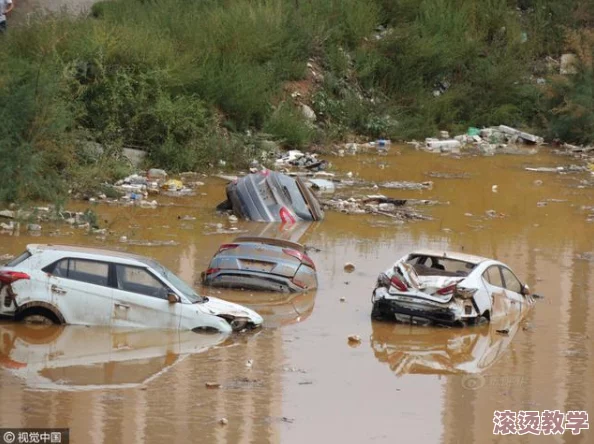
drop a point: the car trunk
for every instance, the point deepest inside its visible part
(278, 257)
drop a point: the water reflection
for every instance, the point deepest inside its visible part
(81, 358)
(422, 350)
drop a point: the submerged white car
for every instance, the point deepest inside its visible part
(448, 289)
(85, 286)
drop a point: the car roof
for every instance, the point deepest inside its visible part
(454, 255)
(89, 251)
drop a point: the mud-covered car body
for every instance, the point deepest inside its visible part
(260, 263)
(448, 289)
(268, 196)
(86, 286)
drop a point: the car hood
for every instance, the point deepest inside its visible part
(220, 307)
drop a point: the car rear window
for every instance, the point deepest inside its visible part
(426, 264)
(83, 270)
(19, 259)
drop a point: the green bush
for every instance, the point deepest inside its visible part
(288, 125)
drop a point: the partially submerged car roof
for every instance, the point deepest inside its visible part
(470, 258)
(33, 248)
(271, 241)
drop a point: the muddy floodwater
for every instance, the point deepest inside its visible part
(298, 380)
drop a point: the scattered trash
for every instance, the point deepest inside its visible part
(371, 205)
(494, 214)
(296, 158)
(212, 385)
(559, 169)
(342, 299)
(146, 243)
(172, 185)
(156, 174)
(6, 257)
(488, 141)
(442, 145)
(494, 188)
(504, 331)
(444, 175)
(408, 185)
(588, 256)
(349, 267)
(10, 226)
(321, 185)
(354, 339)
(568, 64)
(223, 421)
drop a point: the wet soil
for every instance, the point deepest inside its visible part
(299, 379)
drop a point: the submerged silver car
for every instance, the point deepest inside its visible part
(268, 196)
(259, 263)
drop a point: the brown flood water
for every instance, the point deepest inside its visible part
(306, 383)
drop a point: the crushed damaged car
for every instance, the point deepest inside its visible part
(268, 196)
(448, 289)
(63, 284)
(260, 263)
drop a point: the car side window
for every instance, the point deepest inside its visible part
(140, 280)
(83, 270)
(511, 281)
(493, 276)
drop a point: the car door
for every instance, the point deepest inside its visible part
(513, 291)
(140, 300)
(493, 282)
(80, 289)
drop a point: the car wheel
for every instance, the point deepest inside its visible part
(482, 320)
(37, 315)
(376, 314)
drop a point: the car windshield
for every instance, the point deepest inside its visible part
(178, 283)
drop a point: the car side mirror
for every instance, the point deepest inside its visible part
(173, 298)
(525, 290)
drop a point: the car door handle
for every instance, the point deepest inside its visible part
(122, 305)
(58, 290)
